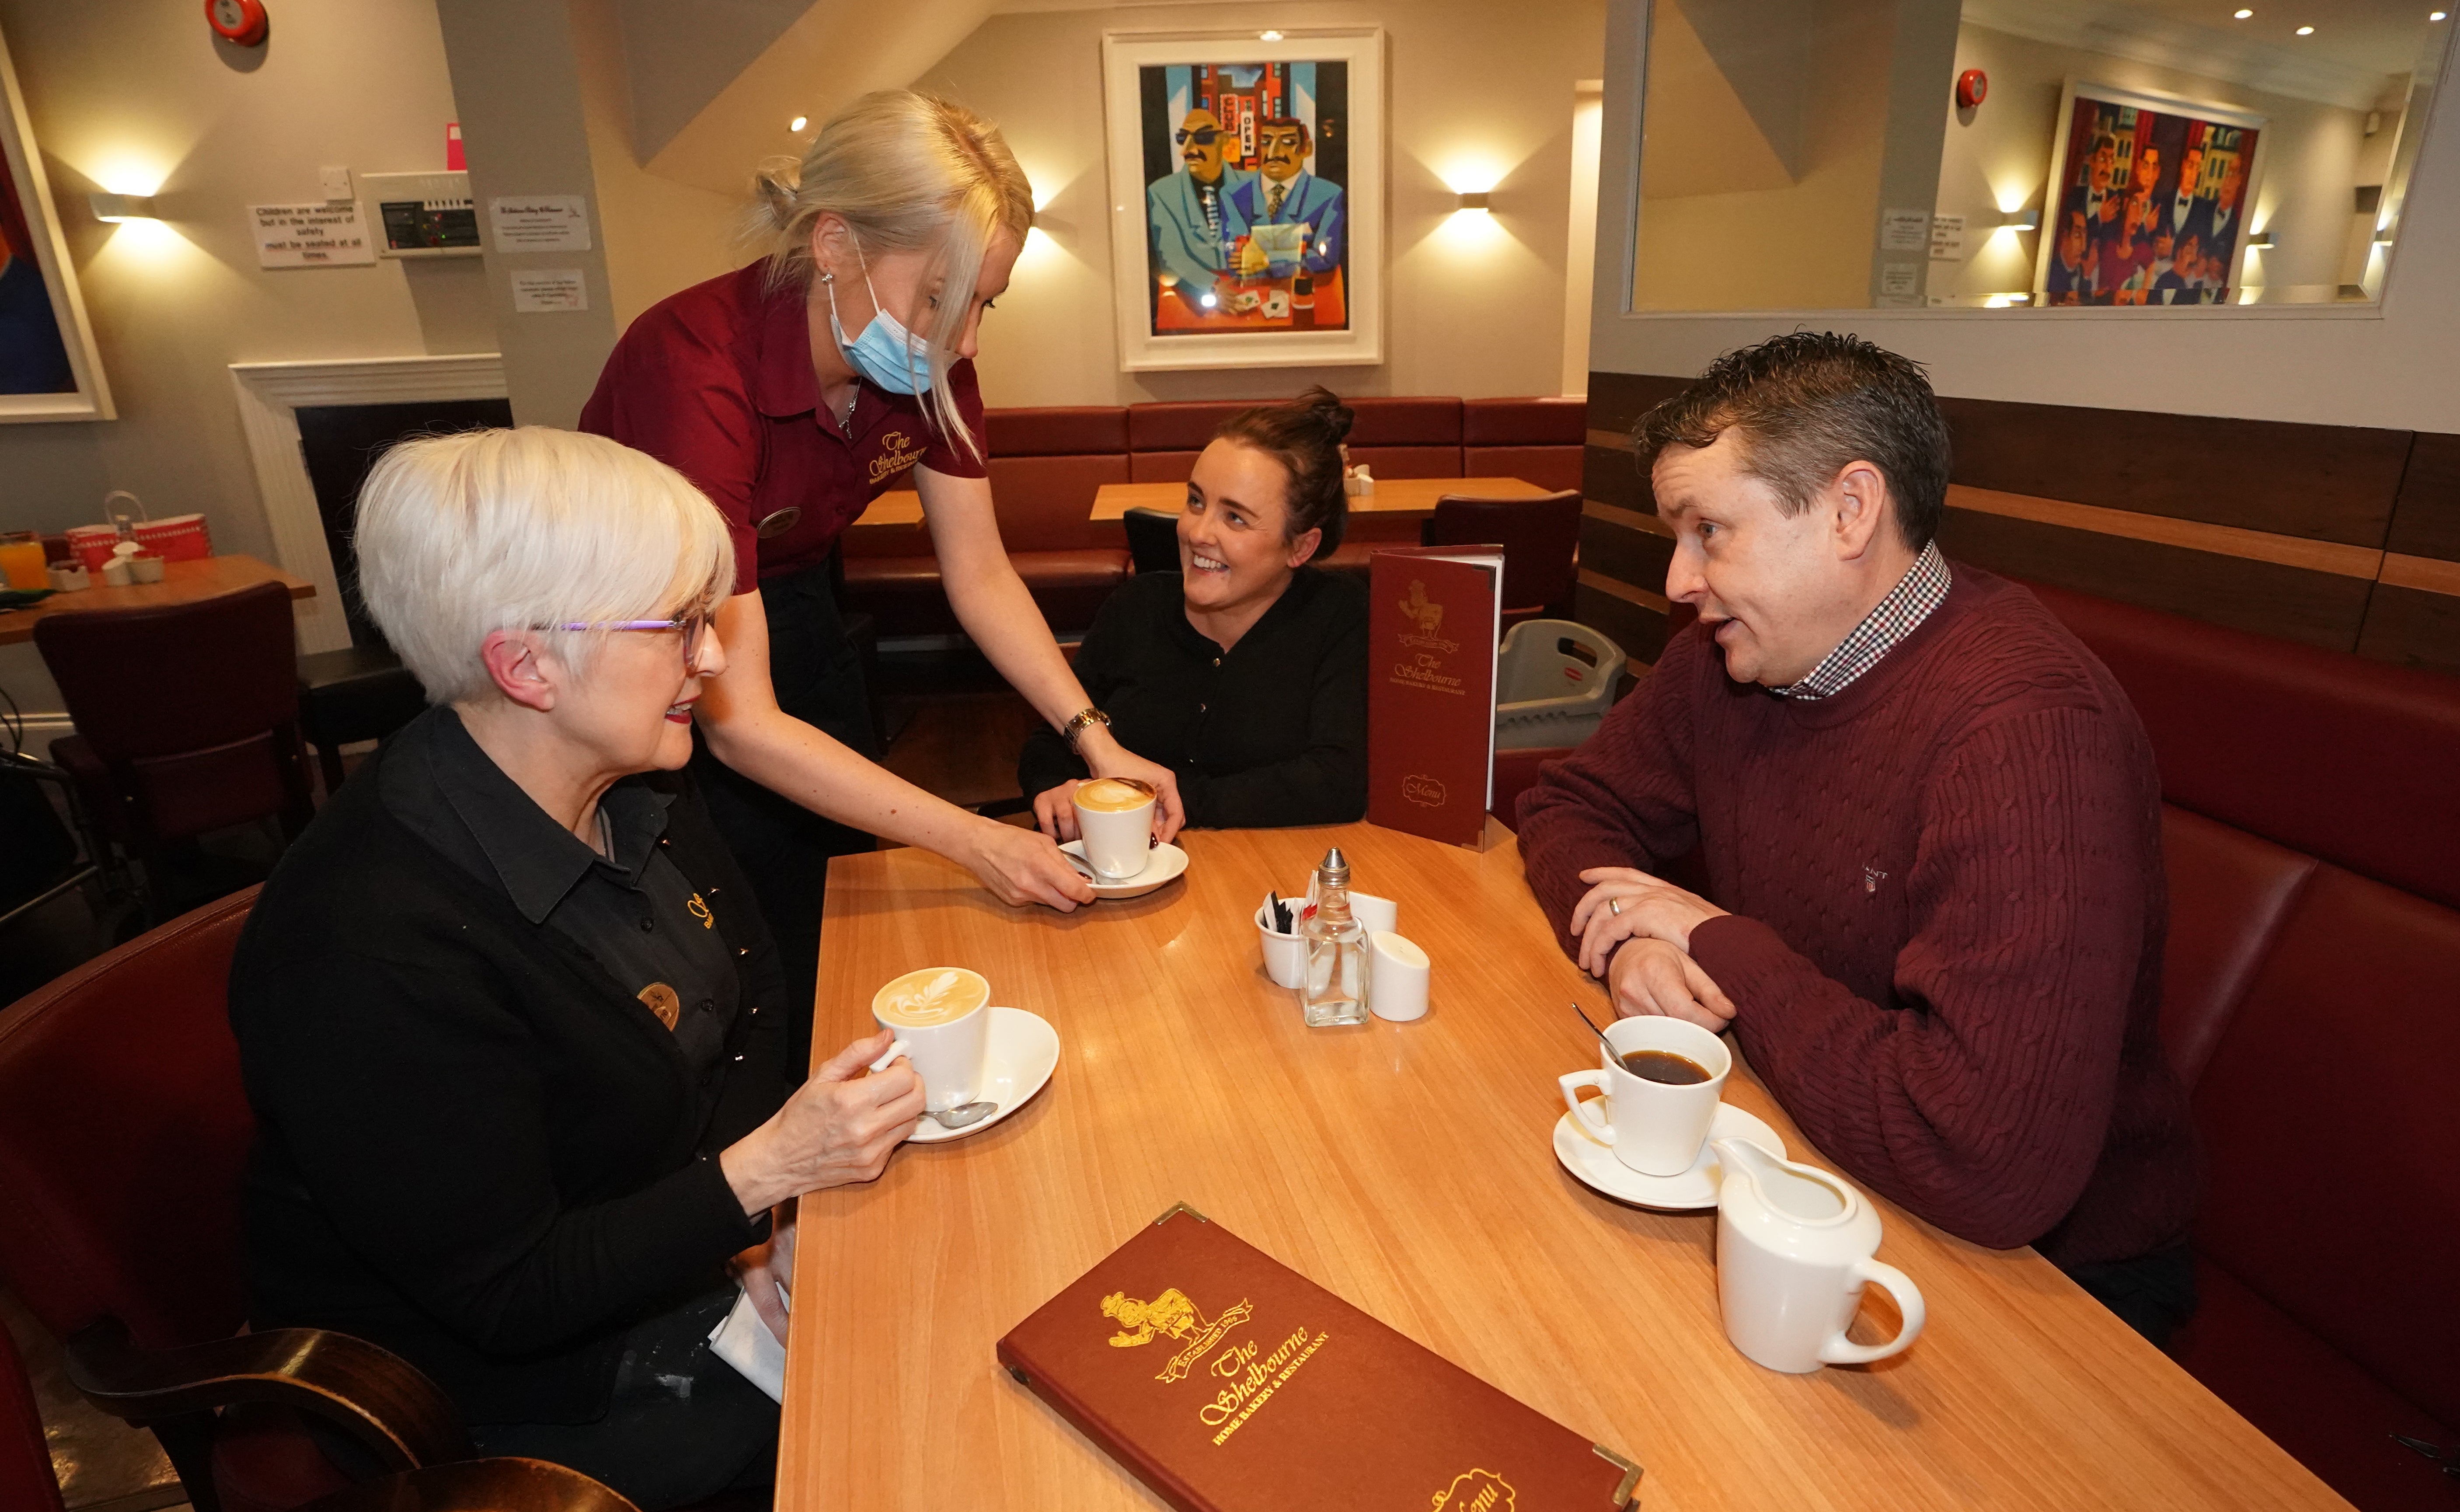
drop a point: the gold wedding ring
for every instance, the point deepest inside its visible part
(1614, 905)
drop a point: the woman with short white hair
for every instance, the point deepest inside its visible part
(512, 1030)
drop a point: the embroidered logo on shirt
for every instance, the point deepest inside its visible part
(902, 451)
(1872, 876)
(700, 911)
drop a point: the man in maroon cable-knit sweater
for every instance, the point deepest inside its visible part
(1931, 826)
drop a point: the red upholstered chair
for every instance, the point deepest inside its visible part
(123, 1130)
(1515, 772)
(188, 717)
(1541, 547)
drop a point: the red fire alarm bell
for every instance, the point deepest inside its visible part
(239, 21)
(1972, 88)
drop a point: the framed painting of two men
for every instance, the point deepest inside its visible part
(1247, 196)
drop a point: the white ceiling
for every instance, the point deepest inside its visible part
(2358, 53)
(713, 83)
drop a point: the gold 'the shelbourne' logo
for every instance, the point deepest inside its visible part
(900, 451)
(1474, 1491)
(1174, 1316)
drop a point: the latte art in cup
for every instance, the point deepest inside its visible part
(934, 995)
(1113, 795)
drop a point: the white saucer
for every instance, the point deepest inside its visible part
(1596, 1166)
(1021, 1054)
(1164, 863)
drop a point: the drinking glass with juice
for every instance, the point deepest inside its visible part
(21, 560)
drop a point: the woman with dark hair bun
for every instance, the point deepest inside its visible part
(1246, 670)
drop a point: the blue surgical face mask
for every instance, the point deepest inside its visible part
(886, 353)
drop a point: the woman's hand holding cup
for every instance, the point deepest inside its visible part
(1105, 757)
(837, 1129)
(1055, 810)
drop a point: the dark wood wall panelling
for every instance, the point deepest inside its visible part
(2406, 622)
(2341, 537)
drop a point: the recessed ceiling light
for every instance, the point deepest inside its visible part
(2305, 31)
(1268, 37)
(2434, 16)
(2243, 14)
(799, 124)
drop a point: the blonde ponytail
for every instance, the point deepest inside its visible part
(907, 172)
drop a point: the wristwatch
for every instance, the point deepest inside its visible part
(1075, 728)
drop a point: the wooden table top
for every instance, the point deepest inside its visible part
(183, 583)
(1406, 1167)
(1400, 497)
(899, 506)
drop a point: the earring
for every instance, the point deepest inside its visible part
(827, 277)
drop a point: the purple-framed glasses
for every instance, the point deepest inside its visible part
(691, 625)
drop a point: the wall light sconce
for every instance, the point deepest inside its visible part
(117, 207)
(1477, 202)
(2262, 241)
(2021, 220)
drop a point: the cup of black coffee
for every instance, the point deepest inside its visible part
(1661, 1079)
(1664, 1066)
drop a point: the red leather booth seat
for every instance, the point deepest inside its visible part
(1047, 464)
(2312, 1003)
(1539, 441)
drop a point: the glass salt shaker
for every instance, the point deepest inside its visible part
(1335, 991)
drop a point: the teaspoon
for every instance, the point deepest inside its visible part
(964, 1115)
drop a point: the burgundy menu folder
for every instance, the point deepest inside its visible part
(1433, 617)
(1227, 1382)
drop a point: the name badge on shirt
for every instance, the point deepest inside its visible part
(662, 1000)
(773, 525)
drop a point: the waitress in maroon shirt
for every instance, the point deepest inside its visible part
(795, 390)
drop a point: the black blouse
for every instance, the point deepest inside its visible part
(1272, 732)
(477, 1145)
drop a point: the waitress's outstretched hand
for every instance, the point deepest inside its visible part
(1024, 866)
(1105, 757)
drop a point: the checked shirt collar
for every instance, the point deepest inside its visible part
(1921, 589)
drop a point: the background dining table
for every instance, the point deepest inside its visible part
(183, 583)
(1408, 1168)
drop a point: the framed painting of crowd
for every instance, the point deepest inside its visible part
(2150, 200)
(48, 367)
(1247, 197)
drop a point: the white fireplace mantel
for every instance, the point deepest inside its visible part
(270, 396)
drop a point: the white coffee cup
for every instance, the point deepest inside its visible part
(1654, 1127)
(942, 1018)
(1396, 977)
(1117, 833)
(1374, 913)
(1796, 1245)
(1284, 954)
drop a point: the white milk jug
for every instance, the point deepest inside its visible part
(1795, 1247)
